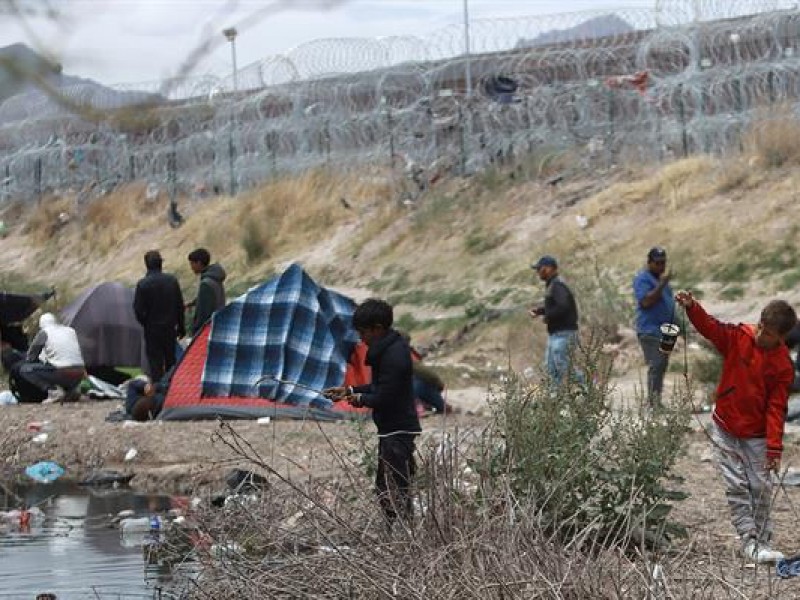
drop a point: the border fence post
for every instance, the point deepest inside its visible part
(682, 119)
(37, 177)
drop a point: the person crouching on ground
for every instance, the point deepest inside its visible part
(391, 398)
(145, 399)
(749, 416)
(54, 362)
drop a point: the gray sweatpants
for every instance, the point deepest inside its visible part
(748, 486)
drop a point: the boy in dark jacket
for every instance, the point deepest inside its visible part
(749, 416)
(390, 396)
(211, 291)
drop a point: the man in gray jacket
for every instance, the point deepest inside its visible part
(211, 292)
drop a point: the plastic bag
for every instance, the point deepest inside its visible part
(45, 471)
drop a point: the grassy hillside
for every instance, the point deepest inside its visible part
(457, 263)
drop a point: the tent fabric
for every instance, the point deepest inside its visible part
(107, 329)
(184, 401)
(18, 307)
(289, 328)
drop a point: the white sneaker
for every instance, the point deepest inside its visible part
(760, 553)
(55, 394)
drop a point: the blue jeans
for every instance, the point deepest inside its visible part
(558, 357)
(657, 363)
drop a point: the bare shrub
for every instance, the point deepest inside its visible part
(555, 497)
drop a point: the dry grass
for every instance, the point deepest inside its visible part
(774, 139)
(674, 186)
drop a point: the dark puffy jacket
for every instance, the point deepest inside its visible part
(560, 309)
(390, 394)
(158, 303)
(210, 295)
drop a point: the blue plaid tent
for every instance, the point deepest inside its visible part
(289, 328)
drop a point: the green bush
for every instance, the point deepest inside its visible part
(584, 465)
(479, 241)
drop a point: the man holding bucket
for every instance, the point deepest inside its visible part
(655, 306)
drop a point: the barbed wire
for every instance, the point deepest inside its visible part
(685, 76)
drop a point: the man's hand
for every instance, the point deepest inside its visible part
(537, 311)
(665, 277)
(335, 393)
(773, 464)
(355, 400)
(685, 299)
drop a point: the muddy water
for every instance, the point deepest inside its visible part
(76, 551)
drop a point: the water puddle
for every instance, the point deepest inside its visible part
(72, 546)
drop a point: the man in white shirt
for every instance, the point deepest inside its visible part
(54, 362)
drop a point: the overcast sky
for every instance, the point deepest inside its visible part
(127, 41)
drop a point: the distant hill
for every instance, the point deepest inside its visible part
(19, 96)
(594, 28)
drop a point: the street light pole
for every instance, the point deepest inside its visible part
(230, 34)
(467, 49)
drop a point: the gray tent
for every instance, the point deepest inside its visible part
(107, 329)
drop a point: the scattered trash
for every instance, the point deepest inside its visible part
(155, 524)
(45, 471)
(7, 398)
(24, 518)
(228, 549)
(40, 438)
(103, 390)
(791, 478)
(152, 191)
(134, 525)
(106, 478)
(240, 499)
(240, 480)
(263, 420)
(786, 568)
(332, 549)
(131, 454)
(581, 221)
(37, 426)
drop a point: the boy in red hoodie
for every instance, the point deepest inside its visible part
(749, 415)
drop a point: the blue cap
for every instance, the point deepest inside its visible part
(545, 261)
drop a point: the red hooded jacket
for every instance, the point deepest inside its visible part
(753, 391)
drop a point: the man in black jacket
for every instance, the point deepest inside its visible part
(390, 396)
(560, 313)
(211, 291)
(158, 304)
